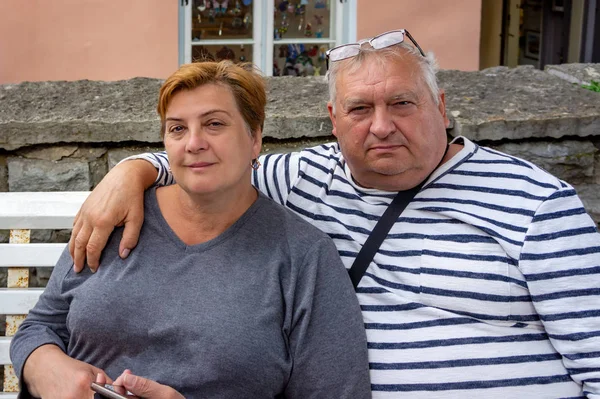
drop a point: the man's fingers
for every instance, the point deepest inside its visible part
(131, 233)
(76, 229)
(80, 243)
(95, 245)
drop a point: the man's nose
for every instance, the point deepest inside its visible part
(382, 124)
(197, 141)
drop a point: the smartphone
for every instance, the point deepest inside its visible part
(111, 391)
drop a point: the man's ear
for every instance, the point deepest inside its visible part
(442, 107)
(332, 117)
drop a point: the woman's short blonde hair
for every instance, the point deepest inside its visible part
(244, 80)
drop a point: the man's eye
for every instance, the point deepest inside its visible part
(358, 109)
(402, 103)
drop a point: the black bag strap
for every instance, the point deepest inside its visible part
(383, 226)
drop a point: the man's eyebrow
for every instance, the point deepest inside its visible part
(350, 102)
(407, 95)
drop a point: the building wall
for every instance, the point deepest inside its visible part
(491, 31)
(42, 40)
(87, 39)
(451, 29)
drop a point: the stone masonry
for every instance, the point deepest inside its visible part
(58, 136)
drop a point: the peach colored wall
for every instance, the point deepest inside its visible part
(450, 29)
(87, 39)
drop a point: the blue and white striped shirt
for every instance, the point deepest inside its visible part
(487, 286)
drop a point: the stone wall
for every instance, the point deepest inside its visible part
(67, 135)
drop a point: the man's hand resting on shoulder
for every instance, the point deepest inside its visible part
(118, 200)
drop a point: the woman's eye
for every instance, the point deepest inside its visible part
(215, 124)
(176, 129)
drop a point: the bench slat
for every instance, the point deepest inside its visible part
(18, 300)
(4, 350)
(40, 210)
(30, 255)
(8, 395)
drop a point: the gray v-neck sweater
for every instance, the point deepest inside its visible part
(266, 309)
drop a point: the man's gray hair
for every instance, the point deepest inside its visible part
(428, 65)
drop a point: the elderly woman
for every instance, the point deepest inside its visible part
(228, 295)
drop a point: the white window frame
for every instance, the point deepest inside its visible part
(342, 30)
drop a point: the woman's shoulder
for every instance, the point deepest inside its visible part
(282, 222)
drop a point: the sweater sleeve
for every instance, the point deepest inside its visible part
(561, 261)
(46, 323)
(327, 338)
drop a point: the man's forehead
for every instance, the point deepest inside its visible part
(375, 69)
(393, 80)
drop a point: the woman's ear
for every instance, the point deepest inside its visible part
(256, 143)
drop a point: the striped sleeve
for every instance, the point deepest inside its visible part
(160, 162)
(277, 175)
(560, 260)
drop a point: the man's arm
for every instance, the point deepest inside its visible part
(560, 260)
(118, 200)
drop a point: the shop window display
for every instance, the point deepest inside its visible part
(282, 37)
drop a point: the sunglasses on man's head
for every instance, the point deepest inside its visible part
(378, 42)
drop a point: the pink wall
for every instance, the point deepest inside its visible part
(451, 29)
(87, 39)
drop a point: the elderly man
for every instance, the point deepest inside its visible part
(487, 283)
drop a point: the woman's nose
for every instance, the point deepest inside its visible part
(196, 141)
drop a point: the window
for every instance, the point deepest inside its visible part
(282, 37)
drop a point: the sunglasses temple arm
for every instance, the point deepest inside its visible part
(414, 42)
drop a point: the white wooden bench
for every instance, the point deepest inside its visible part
(20, 212)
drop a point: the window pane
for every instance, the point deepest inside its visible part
(237, 53)
(221, 19)
(302, 19)
(299, 59)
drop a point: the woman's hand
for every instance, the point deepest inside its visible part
(144, 388)
(118, 200)
(50, 374)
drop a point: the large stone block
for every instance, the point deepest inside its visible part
(297, 107)
(569, 160)
(42, 175)
(118, 154)
(576, 73)
(518, 103)
(81, 111)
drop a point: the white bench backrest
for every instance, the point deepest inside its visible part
(20, 212)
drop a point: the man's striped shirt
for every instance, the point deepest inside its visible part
(487, 286)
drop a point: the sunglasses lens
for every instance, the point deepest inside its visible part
(343, 52)
(387, 40)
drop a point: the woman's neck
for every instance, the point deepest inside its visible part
(200, 218)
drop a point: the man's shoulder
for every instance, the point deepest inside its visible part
(511, 168)
(322, 151)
